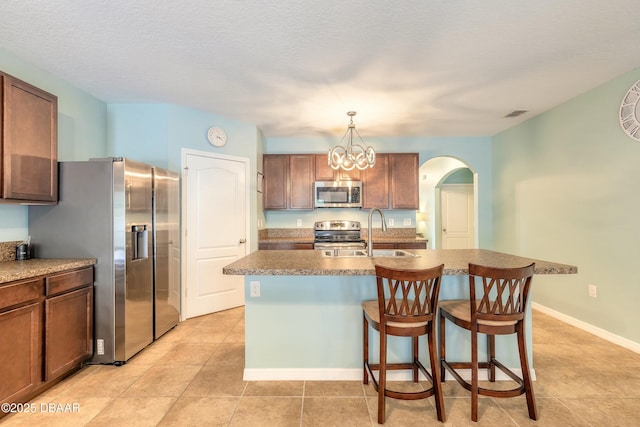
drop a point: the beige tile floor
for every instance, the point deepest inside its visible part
(192, 376)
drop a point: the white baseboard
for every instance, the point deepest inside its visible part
(301, 374)
(606, 335)
(319, 374)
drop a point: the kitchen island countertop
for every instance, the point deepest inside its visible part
(310, 305)
(18, 270)
(313, 263)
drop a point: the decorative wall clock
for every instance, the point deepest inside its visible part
(217, 136)
(630, 112)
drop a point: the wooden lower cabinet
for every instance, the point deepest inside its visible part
(20, 352)
(400, 245)
(284, 246)
(46, 331)
(68, 331)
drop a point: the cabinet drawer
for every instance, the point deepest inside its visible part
(64, 282)
(20, 292)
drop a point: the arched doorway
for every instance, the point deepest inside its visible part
(434, 173)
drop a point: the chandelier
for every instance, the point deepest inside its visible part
(353, 155)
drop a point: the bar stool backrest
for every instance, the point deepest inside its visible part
(408, 296)
(501, 294)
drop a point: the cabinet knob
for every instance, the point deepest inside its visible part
(243, 241)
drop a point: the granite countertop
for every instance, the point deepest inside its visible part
(312, 263)
(17, 270)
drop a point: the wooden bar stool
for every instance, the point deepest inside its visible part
(497, 307)
(406, 306)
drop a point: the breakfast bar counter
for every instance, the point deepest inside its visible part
(303, 319)
(313, 263)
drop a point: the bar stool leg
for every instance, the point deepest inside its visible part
(474, 373)
(382, 380)
(435, 373)
(526, 373)
(365, 347)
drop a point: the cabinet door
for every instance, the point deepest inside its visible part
(29, 142)
(324, 172)
(375, 184)
(404, 180)
(275, 170)
(20, 352)
(352, 175)
(68, 331)
(301, 177)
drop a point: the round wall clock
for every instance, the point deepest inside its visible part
(217, 136)
(630, 112)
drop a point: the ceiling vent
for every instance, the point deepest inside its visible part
(516, 113)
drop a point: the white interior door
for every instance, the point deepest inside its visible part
(215, 200)
(457, 216)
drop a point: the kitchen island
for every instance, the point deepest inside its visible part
(306, 322)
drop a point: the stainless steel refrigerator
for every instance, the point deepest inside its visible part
(106, 211)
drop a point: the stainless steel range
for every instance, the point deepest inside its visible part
(338, 234)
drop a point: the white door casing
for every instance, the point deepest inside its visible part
(216, 230)
(457, 216)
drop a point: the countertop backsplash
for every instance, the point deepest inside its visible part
(8, 250)
(268, 233)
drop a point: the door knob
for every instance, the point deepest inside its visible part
(243, 241)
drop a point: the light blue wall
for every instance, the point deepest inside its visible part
(566, 190)
(139, 132)
(461, 176)
(474, 151)
(81, 131)
(157, 133)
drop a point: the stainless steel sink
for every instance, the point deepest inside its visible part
(351, 253)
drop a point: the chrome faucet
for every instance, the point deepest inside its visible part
(384, 228)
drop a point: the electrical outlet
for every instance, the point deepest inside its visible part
(299, 222)
(254, 288)
(391, 222)
(406, 221)
(593, 291)
(100, 347)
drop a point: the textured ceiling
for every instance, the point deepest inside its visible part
(295, 67)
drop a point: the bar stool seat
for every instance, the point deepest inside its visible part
(496, 307)
(406, 306)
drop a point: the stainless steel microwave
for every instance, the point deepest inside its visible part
(338, 194)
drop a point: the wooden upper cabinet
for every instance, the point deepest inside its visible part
(288, 181)
(275, 170)
(392, 183)
(324, 172)
(29, 166)
(404, 184)
(301, 177)
(375, 187)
